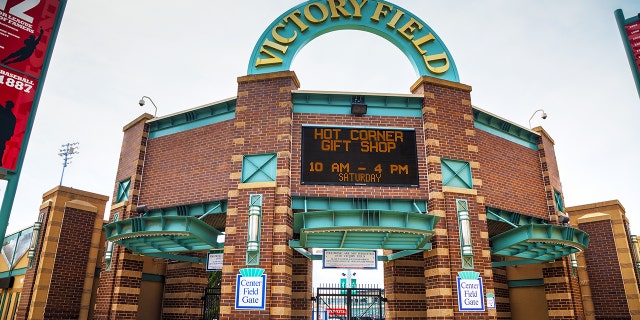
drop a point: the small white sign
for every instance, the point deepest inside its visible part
(345, 259)
(470, 294)
(251, 292)
(214, 261)
(491, 301)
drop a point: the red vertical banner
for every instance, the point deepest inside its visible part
(26, 30)
(18, 93)
(633, 35)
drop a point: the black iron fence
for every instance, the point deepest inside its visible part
(339, 303)
(211, 304)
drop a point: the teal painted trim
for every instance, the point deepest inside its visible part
(259, 167)
(525, 283)
(542, 242)
(163, 234)
(325, 203)
(123, 190)
(512, 218)
(400, 254)
(491, 215)
(191, 119)
(290, 32)
(558, 200)
(4, 299)
(177, 257)
(511, 263)
(191, 210)
(340, 103)
(504, 129)
(456, 173)
(14, 272)
(296, 245)
(365, 229)
(153, 277)
(627, 46)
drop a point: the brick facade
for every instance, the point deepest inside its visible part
(204, 164)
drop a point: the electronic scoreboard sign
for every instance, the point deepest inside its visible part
(359, 156)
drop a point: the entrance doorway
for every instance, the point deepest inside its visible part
(361, 303)
(211, 304)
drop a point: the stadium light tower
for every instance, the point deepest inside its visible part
(66, 152)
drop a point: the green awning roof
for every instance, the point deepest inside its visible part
(151, 235)
(539, 242)
(364, 229)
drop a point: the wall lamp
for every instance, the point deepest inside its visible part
(358, 107)
(35, 237)
(253, 229)
(465, 233)
(108, 252)
(636, 251)
(141, 103)
(563, 219)
(543, 116)
(464, 226)
(142, 210)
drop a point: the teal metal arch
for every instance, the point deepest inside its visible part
(407, 232)
(536, 243)
(291, 31)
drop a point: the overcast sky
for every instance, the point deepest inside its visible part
(565, 57)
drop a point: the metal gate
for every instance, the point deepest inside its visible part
(211, 305)
(362, 303)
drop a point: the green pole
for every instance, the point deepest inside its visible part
(7, 202)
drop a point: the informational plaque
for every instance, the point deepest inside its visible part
(359, 156)
(354, 259)
(214, 261)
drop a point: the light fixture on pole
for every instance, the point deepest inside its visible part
(465, 233)
(108, 252)
(358, 106)
(253, 229)
(66, 153)
(543, 116)
(141, 103)
(464, 227)
(636, 250)
(35, 237)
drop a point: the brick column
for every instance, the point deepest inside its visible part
(609, 278)
(559, 286)
(24, 306)
(403, 278)
(68, 249)
(183, 290)
(301, 287)
(450, 133)
(503, 305)
(119, 287)
(263, 124)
